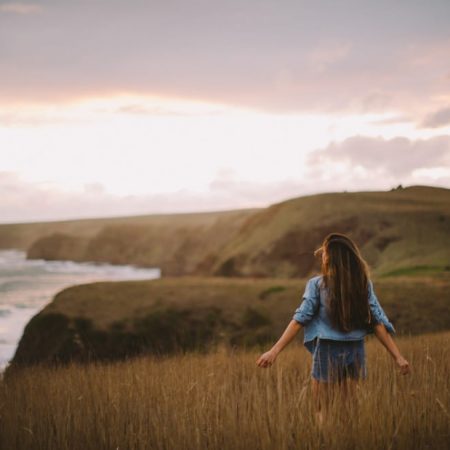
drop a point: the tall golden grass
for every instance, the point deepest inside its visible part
(222, 400)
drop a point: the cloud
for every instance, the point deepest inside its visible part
(34, 119)
(440, 118)
(140, 109)
(304, 57)
(393, 120)
(35, 115)
(375, 156)
(20, 8)
(323, 57)
(22, 200)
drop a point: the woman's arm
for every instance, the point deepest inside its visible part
(267, 359)
(385, 338)
(379, 316)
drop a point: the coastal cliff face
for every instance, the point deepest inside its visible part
(173, 242)
(175, 246)
(404, 230)
(117, 320)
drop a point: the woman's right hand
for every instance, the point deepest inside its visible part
(403, 365)
(266, 359)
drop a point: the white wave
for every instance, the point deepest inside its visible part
(26, 286)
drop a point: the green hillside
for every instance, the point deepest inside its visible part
(404, 231)
(400, 232)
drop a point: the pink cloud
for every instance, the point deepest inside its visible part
(320, 58)
(436, 119)
(20, 8)
(398, 156)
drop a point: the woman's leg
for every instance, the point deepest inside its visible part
(344, 391)
(353, 377)
(349, 388)
(343, 379)
(320, 391)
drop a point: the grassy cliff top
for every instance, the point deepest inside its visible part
(113, 320)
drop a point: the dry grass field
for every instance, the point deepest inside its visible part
(222, 400)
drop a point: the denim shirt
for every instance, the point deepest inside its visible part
(312, 314)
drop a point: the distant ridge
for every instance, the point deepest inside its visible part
(404, 229)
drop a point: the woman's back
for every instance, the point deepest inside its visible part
(313, 314)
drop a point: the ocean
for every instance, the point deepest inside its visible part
(26, 286)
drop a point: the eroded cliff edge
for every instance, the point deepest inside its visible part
(116, 320)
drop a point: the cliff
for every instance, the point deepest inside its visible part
(117, 320)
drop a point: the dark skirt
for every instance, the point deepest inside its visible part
(334, 360)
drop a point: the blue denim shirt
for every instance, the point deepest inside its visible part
(312, 314)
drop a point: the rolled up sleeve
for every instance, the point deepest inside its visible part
(308, 307)
(377, 311)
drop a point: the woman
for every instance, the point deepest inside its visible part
(339, 307)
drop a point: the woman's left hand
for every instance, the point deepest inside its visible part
(403, 365)
(266, 359)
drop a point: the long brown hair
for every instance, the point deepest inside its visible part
(346, 277)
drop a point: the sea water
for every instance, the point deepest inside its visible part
(26, 286)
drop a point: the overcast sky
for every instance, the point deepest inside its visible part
(121, 107)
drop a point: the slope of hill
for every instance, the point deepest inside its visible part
(115, 320)
(175, 243)
(402, 231)
(22, 235)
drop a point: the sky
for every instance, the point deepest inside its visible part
(124, 107)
